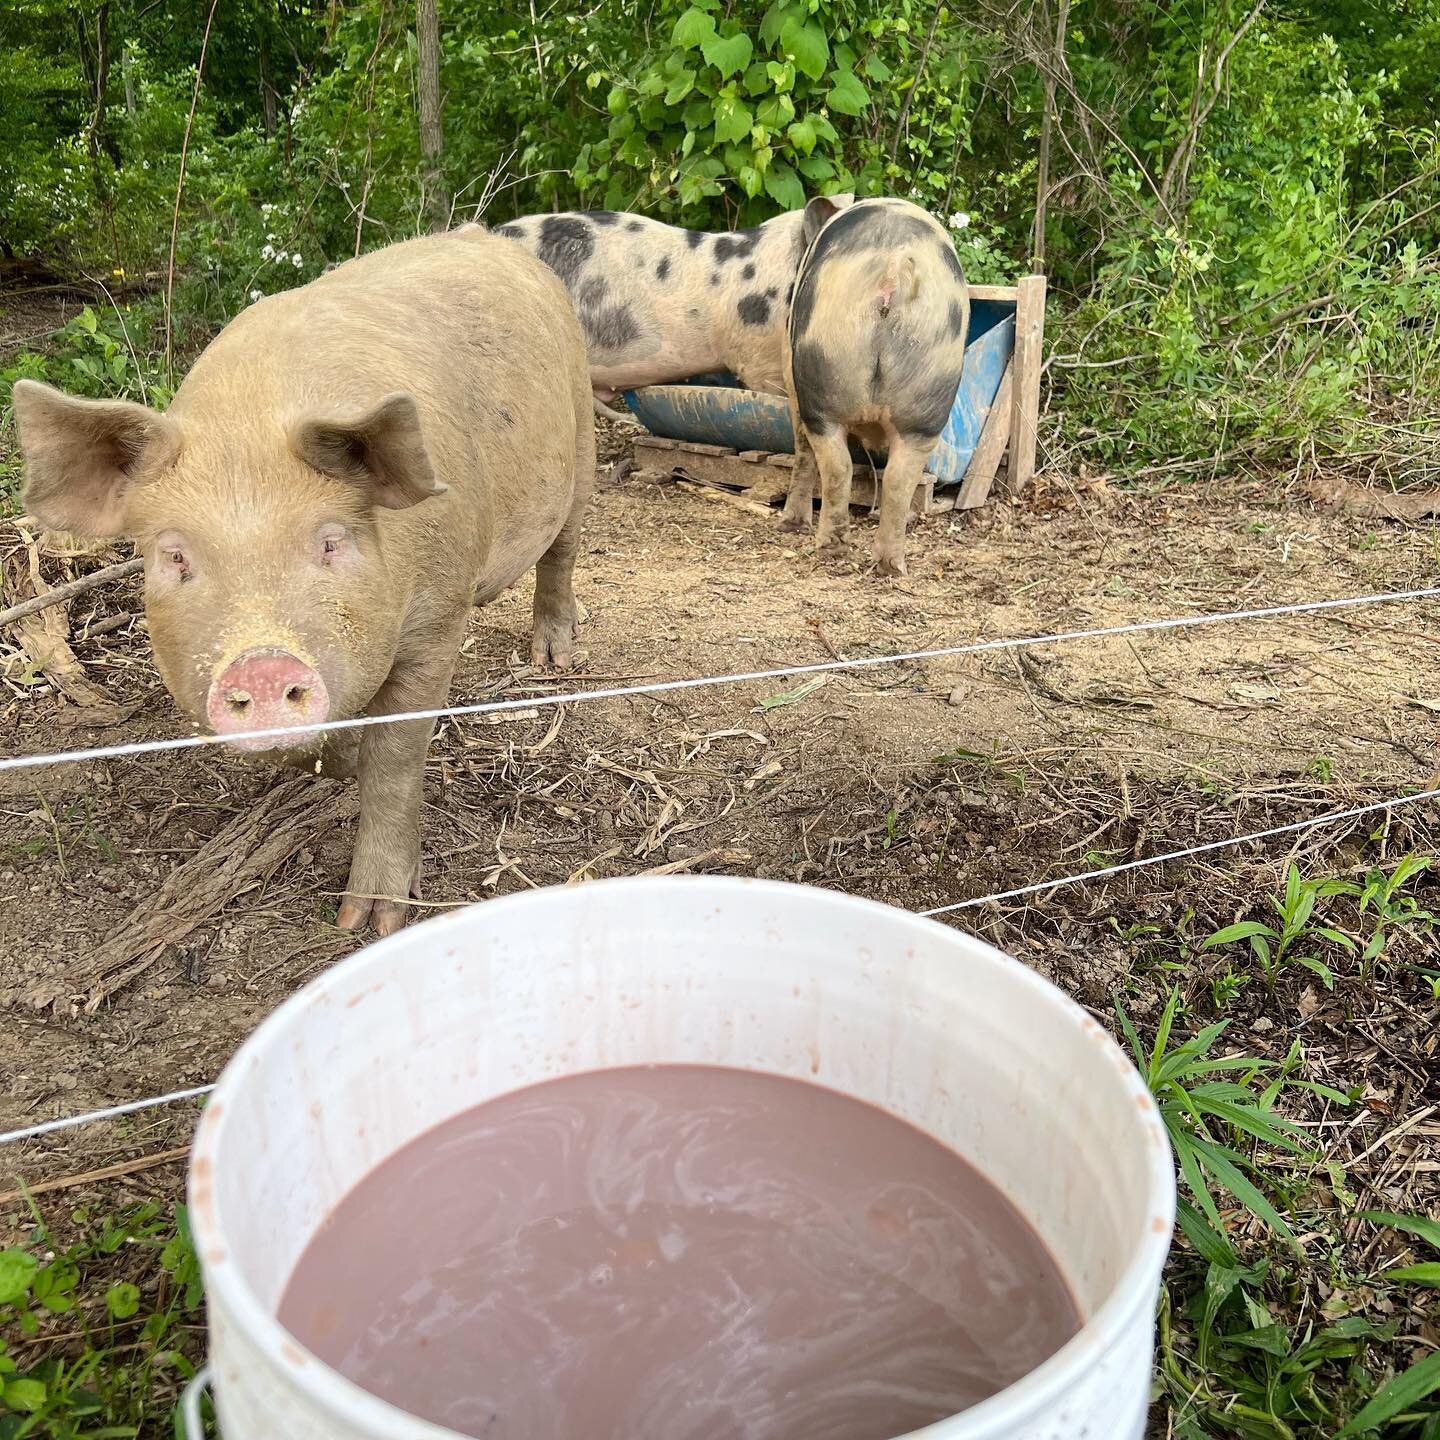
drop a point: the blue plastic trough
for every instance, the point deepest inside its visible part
(715, 410)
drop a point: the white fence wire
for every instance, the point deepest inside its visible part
(108, 752)
(662, 687)
(1356, 812)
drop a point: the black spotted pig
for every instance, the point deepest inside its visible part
(659, 304)
(876, 344)
(345, 471)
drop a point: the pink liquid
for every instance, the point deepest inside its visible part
(678, 1253)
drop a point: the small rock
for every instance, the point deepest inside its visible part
(958, 695)
(1262, 1025)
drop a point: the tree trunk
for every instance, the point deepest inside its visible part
(1047, 120)
(128, 77)
(102, 75)
(427, 40)
(267, 87)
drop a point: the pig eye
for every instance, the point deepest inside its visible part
(175, 559)
(332, 543)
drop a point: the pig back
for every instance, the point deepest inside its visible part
(483, 337)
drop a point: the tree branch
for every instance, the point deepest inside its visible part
(1178, 170)
(179, 192)
(915, 83)
(1047, 117)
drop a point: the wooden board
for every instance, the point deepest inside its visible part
(985, 462)
(1025, 385)
(992, 292)
(739, 474)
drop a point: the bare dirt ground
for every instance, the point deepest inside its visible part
(920, 784)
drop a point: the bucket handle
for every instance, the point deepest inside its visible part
(190, 1399)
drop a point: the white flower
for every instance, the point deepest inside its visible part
(959, 220)
(297, 261)
(267, 252)
(256, 294)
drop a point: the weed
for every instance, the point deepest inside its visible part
(1381, 896)
(1275, 949)
(1224, 988)
(1129, 935)
(1195, 1104)
(125, 1340)
(944, 846)
(93, 355)
(1395, 1403)
(74, 826)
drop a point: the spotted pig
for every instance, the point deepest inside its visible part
(659, 304)
(345, 471)
(876, 342)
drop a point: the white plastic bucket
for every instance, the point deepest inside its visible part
(903, 1012)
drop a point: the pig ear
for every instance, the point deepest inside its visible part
(820, 210)
(81, 456)
(381, 449)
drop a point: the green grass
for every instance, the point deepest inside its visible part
(1232, 1358)
(1296, 935)
(98, 1333)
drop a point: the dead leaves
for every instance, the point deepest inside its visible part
(45, 655)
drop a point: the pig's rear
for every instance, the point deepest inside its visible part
(879, 321)
(877, 342)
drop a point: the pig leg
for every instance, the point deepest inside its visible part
(800, 502)
(832, 454)
(903, 469)
(557, 619)
(385, 871)
(799, 512)
(604, 412)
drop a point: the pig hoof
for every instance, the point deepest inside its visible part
(388, 917)
(793, 522)
(551, 656)
(352, 914)
(554, 644)
(890, 564)
(385, 917)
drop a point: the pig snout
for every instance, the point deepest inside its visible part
(266, 690)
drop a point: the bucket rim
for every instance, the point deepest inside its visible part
(373, 1418)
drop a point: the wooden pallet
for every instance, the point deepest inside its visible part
(759, 476)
